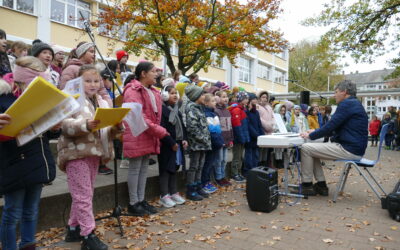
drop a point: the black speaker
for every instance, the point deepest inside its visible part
(305, 97)
(262, 189)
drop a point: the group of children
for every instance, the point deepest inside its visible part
(392, 137)
(204, 121)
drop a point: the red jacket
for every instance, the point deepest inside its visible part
(149, 141)
(374, 127)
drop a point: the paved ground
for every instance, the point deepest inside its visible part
(224, 221)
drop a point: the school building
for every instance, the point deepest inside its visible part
(57, 22)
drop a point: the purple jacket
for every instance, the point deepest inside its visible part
(226, 123)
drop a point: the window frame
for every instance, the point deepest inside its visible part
(282, 77)
(15, 2)
(76, 18)
(243, 70)
(264, 71)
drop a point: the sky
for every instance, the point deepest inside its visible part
(289, 23)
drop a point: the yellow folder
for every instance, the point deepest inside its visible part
(39, 98)
(110, 116)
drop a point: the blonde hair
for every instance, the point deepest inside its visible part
(31, 62)
(86, 68)
(208, 97)
(220, 92)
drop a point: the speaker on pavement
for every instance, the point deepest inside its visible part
(305, 97)
(262, 189)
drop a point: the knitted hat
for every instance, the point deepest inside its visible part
(252, 96)
(184, 79)
(39, 47)
(241, 95)
(193, 92)
(56, 49)
(296, 107)
(81, 50)
(168, 82)
(121, 53)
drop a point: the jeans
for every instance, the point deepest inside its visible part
(251, 157)
(20, 206)
(137, 177)
(219, 170)
(211, 163)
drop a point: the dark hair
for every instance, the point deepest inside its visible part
(192, 76)
(264, 92)
(143, 66)
(129, 79)
(113, 65)
(3, 34)
(311, 110)
(328, 109)
(272, 98)
(87, 67)
(169, 87)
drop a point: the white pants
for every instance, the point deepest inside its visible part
(312, 153)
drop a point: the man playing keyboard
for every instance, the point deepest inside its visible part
(349, 130)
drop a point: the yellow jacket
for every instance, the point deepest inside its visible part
(313, 121)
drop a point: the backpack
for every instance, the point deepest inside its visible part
(392, 203)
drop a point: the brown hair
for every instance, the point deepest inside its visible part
(220, 92)
(19, 45)
(31, 62)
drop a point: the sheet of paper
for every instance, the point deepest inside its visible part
(110, 116)
(75, 87)
(135, 120)
(279, 122)
(38, 99)
(63, 110)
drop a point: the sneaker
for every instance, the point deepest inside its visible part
(151, 209)
(178, 199)
(124, 164)
(137, 209)
(73, 235)
(226, 182)
(221, 183)
(211, 188)
(194, 196)
(323, 191)
(105, 170)
(238, 178)
(203, 193)
(166, 201)
(92, 242)
(243, 178)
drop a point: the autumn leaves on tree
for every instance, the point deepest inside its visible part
(197, 32)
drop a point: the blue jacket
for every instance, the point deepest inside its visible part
(348, 125)
(240, 124)
(214, 126)
(30, 164)
(255, 126)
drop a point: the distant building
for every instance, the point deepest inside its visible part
(375, 80)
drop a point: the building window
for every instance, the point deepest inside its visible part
(68, 11)
(283, 54)
(379, 109)
(279, 77)
(264, 71)
(244, 69)
(120, 32)
(27, 6)
(384, 109)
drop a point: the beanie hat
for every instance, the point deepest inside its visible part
(56, 49)
(120, 54)
(296, 107)
(193, 92)
(168, 82)
(81, 50)
(219, 84)
(252, 96)
(183, 79)
(39, 47)
(241, 95)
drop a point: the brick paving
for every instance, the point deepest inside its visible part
(224, 221)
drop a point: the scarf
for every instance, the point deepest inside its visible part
(176, 121)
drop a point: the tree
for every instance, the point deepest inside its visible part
(310, 63)
(199, 29)
(364, 28)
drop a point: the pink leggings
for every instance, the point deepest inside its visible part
(81, 174)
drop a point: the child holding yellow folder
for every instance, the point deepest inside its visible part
(81, 149)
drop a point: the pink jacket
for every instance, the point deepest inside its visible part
(267, 118)
(149, 141)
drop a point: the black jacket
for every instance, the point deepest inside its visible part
(255, 127)
(167, 157)
(30, 164)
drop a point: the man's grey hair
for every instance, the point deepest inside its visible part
(348, 86)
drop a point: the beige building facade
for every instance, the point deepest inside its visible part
(57, 22)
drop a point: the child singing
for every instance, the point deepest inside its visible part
(81, 149)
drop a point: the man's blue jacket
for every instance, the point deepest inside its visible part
(348, 126)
